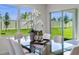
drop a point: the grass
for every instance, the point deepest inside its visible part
(58, 31)
(54, 31)
(68, 33)
(12, 32)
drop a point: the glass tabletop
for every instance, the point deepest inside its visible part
(57, 47)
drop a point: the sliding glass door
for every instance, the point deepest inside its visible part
(56, 32)
(70, 26)
(70, 29)
(63, 30)
(67, 18)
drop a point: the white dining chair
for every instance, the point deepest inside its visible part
(57, 39)
(11, 47)
(75, 50)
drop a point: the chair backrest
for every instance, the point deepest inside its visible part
(75, 50)
(10, 47)
(17, 48)
(57, 39)
(18, 36)
(5, 47)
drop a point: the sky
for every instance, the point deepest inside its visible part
(13, 12)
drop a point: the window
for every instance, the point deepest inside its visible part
(56, 24)
(68, 29)
(62, 22)
(8, 20)
(24, 18)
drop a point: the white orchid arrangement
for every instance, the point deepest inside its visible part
(35, 21)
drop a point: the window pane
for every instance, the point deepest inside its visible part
(25, 25)
(55, 24)
(8, 20)
(56, 32)
(67, 25)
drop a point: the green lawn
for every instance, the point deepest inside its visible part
(12, 32)
(54, 31)
(58, 31)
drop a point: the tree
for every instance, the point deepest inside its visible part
(24, 16)
(6, 20)
(66, 19)
(0, 17)
(1, 20)
(54, 19)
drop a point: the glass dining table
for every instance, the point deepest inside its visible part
(57, 49)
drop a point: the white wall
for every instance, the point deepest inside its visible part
(57, 7)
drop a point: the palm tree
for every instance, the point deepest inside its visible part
(24, 16)
(66, 20)
(6, 20)
(54, 19)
